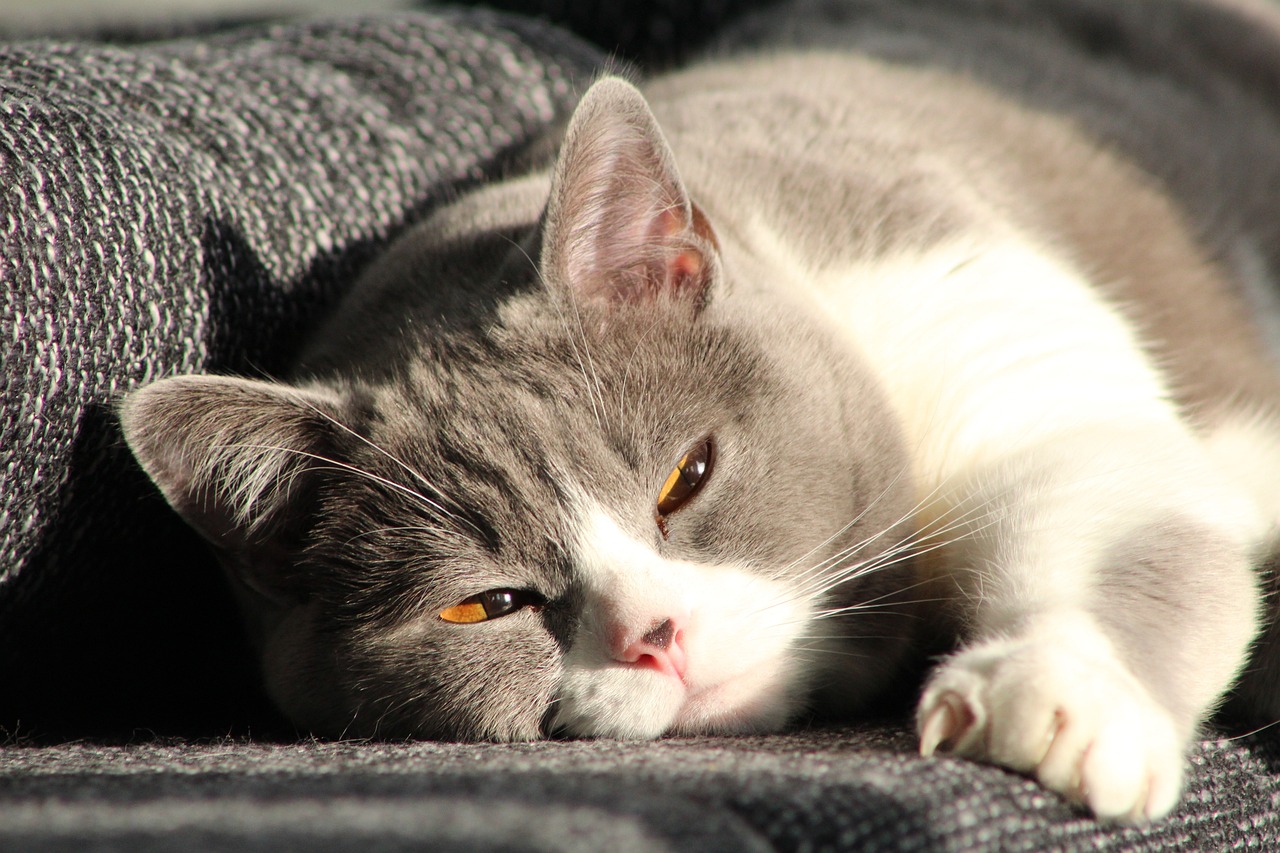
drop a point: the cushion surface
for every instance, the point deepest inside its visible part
(838, 789)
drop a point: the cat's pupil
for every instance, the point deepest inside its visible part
(489, 605)
(498, 602)
(686, 478)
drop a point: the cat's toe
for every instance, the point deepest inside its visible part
(1131, 769)
(1124, 763)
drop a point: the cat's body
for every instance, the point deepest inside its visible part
(925, 363)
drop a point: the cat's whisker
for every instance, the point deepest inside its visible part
(373, 445)
(873, 603)
(888, 489)
(843, 529)
(814, 654)
(1250, 733)
(913, 512)
(390, 711)
(877, 608)
(921, 541)
(822, 579)
(818, 579)
(877, 605)
(880, 605)
(814, 644)
(353, 721)
(882, 561)
(409, 469)
(909, 548)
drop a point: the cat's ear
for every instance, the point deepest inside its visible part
(619, 224)
(232, 456)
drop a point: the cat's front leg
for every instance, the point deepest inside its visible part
(1108, 601)
(1096, 555)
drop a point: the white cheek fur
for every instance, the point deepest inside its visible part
(738, 633)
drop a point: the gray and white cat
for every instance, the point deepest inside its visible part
(789, 367)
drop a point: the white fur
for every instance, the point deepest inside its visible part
(993, 351)
(738, 632)
(1033, 408)
(1247, 448)
(1008, 371)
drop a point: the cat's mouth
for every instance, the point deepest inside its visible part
(715, 653)
(755, 700)
(621, 702)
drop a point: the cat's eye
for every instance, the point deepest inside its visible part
(686, 478)
(490, 605)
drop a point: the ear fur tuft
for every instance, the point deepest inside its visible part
(227, 453)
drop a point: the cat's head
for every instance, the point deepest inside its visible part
(623, 500)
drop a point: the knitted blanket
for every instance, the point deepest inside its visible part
(194, 205)
(859, 790)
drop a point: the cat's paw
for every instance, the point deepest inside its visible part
(1065, 711)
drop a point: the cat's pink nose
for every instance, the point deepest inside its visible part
(658, 649)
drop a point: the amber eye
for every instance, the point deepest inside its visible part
(490, 605)
(688, 476)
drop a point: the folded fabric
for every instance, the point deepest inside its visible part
(192, 205)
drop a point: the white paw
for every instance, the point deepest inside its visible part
(1065, 711)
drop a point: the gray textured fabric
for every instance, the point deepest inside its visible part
(856, 789)
(192, 205)
(154, 173)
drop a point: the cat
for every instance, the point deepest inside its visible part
(789, 369)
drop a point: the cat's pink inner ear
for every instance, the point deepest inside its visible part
(620, 226)
(686, 269)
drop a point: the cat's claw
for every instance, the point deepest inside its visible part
(945, 726)
(1075, 720)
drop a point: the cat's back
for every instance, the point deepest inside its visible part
(900, 152)
(1188, 91)
(890, 155)
(848, 159)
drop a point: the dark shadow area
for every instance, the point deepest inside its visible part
(657, 33)
(140, 636)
